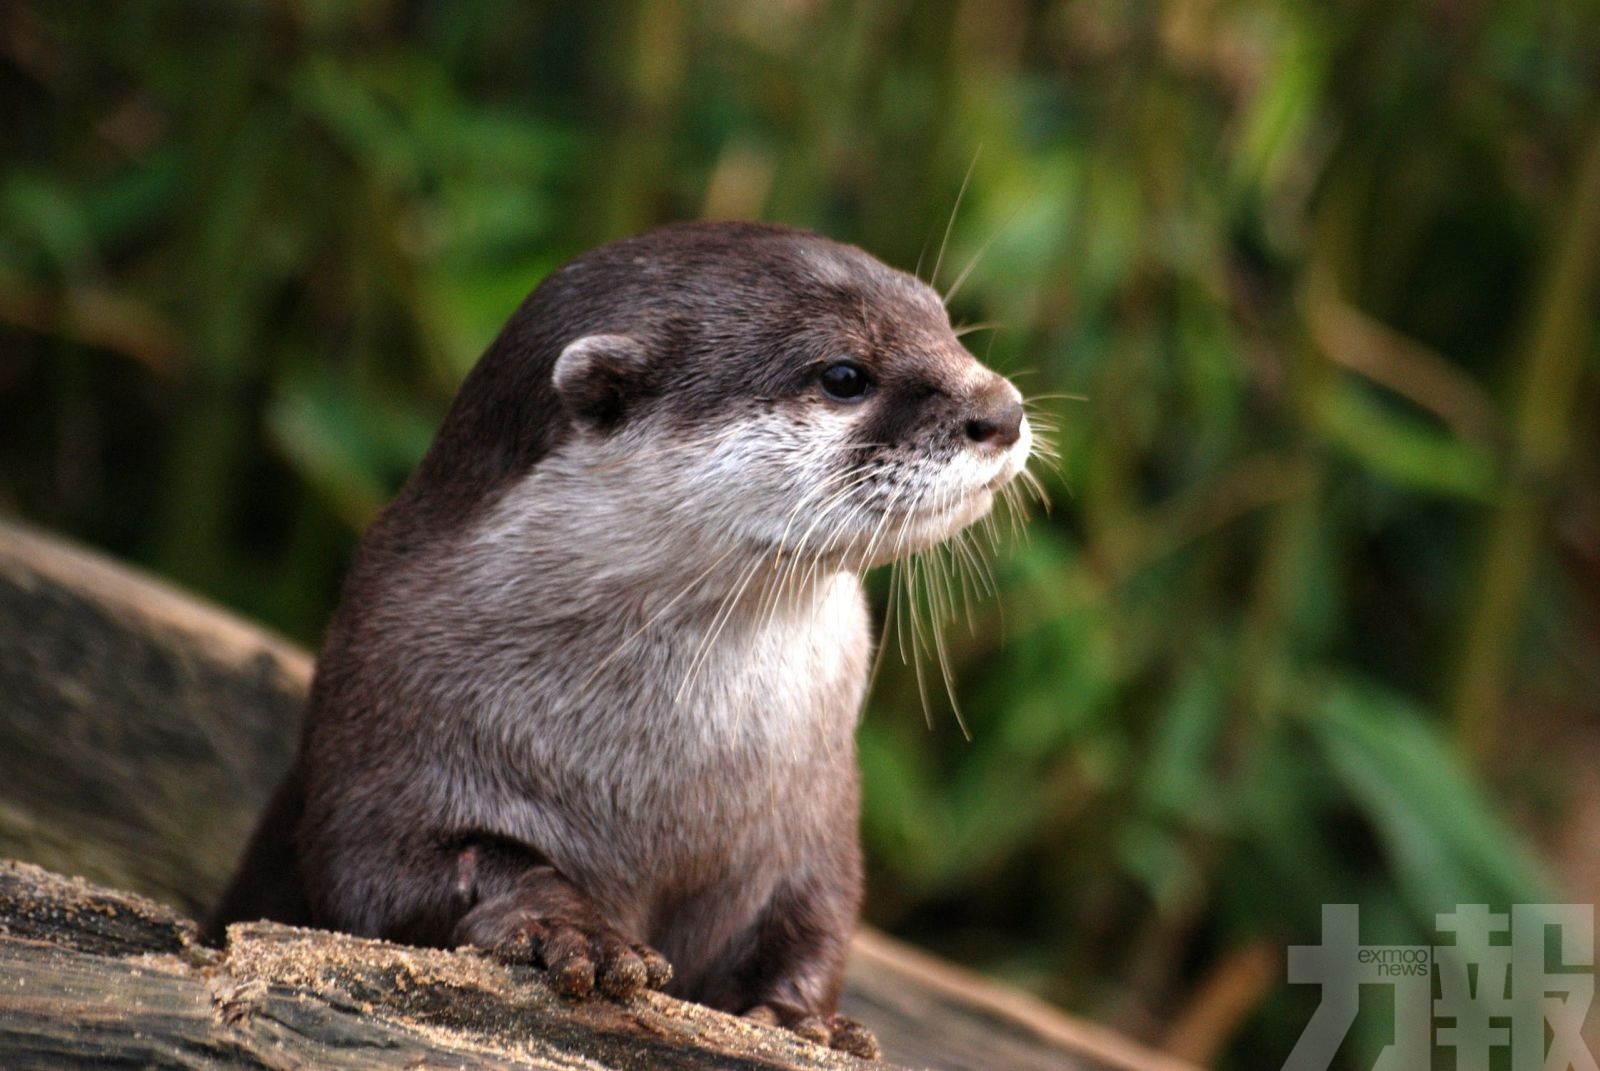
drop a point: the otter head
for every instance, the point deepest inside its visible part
(752, 389)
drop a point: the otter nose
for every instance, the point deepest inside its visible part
(999, 423)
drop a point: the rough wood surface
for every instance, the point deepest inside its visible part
(92, 977)
(143, 730)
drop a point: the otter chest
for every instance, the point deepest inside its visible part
(718, 746)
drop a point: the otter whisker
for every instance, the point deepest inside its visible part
(670, 603)
(883, 630)
(884, 513)
(1024, 487)
(933, 634)
(974, 582)
(1052, 463)
(788, 574)
(840, 532)
(801, 504)
(912, 604)
(838, 497)
(1035, 487)
(982, 563)
(961, 582)
(811, 562)
(691, 446)
(824, 554)
(894, 578)
(724, 612)
(784, 570)
(1041, 419)
(944, 603)
(944, 607)
(971, 566)
(917, 604)
(1045, 452)
(955, 287)
(943, 572)
(905, 585)
(947, 674)
(1067, 396)
(1043, 432)
(933, 279)
(826, 485)
(1014, 513)
(991, 529)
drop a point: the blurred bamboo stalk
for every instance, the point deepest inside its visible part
(1552, 365)
(1269, 641)
(1363, 344)
(1231, 991)
(95, 317)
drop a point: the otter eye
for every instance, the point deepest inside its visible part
(844, 381)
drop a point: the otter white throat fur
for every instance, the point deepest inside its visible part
(589, 698)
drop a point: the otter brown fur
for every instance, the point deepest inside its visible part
(590, 695)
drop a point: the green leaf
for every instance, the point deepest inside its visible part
(1179, 780)
(1404, 449)
(353, 447)
(1445, 842)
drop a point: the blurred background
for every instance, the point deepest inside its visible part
(1315, 617)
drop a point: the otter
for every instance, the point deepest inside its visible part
(589, 698)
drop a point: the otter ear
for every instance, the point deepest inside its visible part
(598, 376)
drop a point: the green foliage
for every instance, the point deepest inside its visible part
(1321, 280)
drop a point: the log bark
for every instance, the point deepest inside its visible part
(143, 730)
(93, 977)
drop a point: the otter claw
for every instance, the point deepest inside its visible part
(813, 1029)
(851, 1037)
(573, 978)
(658, 972)
(839, 1032)
(623, 977)
(582, 961)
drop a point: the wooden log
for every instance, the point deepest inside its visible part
(92, 977)
(144, 730)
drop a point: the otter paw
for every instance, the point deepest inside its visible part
(833, 1031)
(583, 960)
(852, 1037)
